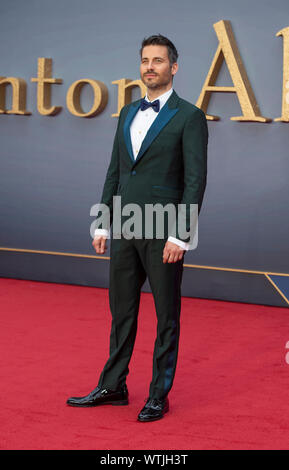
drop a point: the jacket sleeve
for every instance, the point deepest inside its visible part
(110, 184)
(194, 147)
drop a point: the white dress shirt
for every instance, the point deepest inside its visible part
(138, 129)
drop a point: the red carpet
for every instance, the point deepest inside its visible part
(231, 389)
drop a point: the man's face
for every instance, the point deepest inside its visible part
(155, 68)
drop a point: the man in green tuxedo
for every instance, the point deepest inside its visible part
(159, 156)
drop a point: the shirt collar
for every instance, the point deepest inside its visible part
(162, 98)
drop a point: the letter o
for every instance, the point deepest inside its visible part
(73, 97)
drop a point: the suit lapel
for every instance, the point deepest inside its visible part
(163, 117)
(126, 127)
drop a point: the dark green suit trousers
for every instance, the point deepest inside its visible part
(132, 261)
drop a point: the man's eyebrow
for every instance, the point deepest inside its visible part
(153, 58)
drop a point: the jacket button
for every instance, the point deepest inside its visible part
(133, 172)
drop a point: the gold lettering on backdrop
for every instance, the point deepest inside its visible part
(100, 97)
(44, 82)
(228, 51)
(125, 86)
(285, 95)
(18, 95)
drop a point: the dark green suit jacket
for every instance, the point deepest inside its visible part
(171, 166)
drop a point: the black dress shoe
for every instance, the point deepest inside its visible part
(101, 396)
(154, 409)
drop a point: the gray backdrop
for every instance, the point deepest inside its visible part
(53, 167)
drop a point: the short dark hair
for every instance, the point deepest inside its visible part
(159, 40)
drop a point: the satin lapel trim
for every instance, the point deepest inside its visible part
(164, 116)
(126, 128)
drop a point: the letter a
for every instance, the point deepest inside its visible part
(228, 50)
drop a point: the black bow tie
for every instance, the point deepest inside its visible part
(146, 104)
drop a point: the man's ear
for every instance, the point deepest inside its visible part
(174, 68)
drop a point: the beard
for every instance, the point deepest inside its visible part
(153, 85)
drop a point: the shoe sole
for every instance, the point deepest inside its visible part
(114, 403)
(144, 420)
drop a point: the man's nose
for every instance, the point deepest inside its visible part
(150, 66)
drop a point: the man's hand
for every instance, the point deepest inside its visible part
(99, 244)
(172, 253)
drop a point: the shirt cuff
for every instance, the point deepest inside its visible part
(101, 231)
(183, 245)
